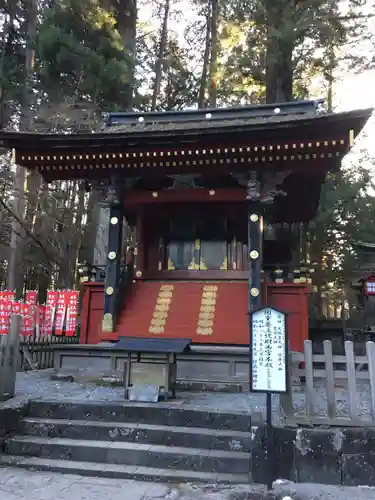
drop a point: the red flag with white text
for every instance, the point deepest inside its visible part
(7, 294)
(31, 297)
(27, 323)
(61, 312)
(5, 315)
(40, 317)
(50, 311)
(71, 313)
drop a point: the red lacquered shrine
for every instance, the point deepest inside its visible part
(205, 213)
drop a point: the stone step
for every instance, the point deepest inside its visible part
(214, 439)
(121, 471)
(165, 457)
(156, 414)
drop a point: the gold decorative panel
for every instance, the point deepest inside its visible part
(206, 315)
(207, 309)
(161, 311)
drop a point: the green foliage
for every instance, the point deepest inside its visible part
(11, 62)
(81, 56)
(346, 207)
(312, 28)
(179, 84)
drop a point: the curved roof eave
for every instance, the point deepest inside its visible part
(139, 134)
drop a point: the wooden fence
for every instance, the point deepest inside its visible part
(36, 353)
(331, 390)
(21, 353)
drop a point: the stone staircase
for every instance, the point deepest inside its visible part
(138, 441)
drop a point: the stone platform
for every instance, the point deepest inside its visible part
(205, 367)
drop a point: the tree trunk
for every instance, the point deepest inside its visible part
(329, 75)
(78, 230)
(206, 60)
(43, 227)
(86, 251)
(15, 265)
(66, 239)
(33, 188)
(6, 50)
(212, 91)
(125, 12)
(159, 66)
(279, 45)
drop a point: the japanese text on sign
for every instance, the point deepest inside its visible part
(268, 348)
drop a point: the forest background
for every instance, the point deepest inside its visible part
(64, 63)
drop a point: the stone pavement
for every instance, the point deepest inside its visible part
(17, 484)
(38, 385)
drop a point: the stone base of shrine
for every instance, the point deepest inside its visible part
(221, 368)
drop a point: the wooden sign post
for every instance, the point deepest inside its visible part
(9, 352)
(269, 367)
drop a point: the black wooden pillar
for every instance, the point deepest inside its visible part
(254, 244)
(113, 262)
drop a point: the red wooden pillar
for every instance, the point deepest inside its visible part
(292, 298)
(92, 308)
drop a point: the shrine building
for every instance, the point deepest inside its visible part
(206, 212)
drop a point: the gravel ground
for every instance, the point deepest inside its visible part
(38, 385)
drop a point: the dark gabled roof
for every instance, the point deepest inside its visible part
(125, 121)
(273, 127)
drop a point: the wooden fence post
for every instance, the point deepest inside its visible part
(9, 351)
(352, 382)
(309, 386)
(330, 381)
(370, 349)
(286, 399)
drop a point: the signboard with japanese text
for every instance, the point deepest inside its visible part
(268, 351)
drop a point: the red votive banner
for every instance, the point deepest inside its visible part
(50, 312)
(58, 316)
(60, 313)
(7, 294)
(71, 313)
(31, 297)
(27, 319)
(5, 315)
